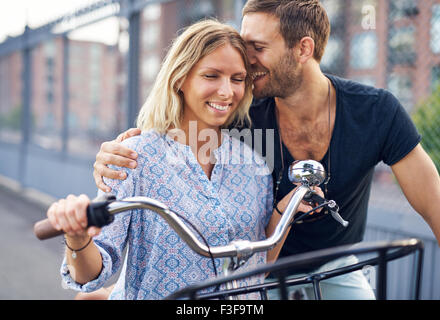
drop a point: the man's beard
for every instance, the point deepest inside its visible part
(283, 80)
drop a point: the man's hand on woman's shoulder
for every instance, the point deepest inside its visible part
(114, 153)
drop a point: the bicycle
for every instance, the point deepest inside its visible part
(307, 174)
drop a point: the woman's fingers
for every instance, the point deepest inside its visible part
(70, 215)
(51, 215)
(61, 216)
(82, 202)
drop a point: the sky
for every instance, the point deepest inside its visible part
(15, 13)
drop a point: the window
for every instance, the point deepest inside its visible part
(72, 120)
(49, 120)
(151, 36)
(95, 90)
(363, 51)
(402, 45)
(49, 49)
(50, 64)
(435, 29)
(403, 9)
(361, 11)
(333, 9)
(93, 123)
(95, 51)
(45, 107)
(435, 77)
(401, 86)
(332, 61)
(367, 80)
(49, 97)
(152, 12)
(150, 67)
(197, 10)
(50, 81)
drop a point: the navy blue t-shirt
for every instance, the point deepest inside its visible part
(371, 126)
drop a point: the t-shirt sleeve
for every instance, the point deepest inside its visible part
(399, 135)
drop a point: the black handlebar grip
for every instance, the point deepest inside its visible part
(314, 199)
(97, 215)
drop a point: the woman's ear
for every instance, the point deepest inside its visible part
(179, 85)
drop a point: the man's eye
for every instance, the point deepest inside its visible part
(258, 49)
(238, 79)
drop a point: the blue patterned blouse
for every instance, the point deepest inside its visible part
(235, 204)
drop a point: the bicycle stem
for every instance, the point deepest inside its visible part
(285, 222)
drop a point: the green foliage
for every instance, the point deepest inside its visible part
(11, 119)
(427, 120)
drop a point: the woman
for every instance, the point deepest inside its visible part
(203, 86)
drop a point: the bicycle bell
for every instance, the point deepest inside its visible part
(307, 172)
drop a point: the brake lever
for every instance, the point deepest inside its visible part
(314, 199)
(334, 211)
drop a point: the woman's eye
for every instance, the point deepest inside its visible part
(210, 76)
(238, 79)
(258, 49)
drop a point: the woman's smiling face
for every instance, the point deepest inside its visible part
(214, 88)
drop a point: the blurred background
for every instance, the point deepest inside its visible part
(74, 74)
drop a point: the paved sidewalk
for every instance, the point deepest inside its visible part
(29, 268)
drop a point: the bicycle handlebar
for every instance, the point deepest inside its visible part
(239, 248)
(101, 212)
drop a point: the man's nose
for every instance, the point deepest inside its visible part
(251, 56)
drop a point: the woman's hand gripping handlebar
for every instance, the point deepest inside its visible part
(97, 216)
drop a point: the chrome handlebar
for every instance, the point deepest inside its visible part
(307, 173)
(241, 249)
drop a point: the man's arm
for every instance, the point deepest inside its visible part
(420, 182)
(112, 152)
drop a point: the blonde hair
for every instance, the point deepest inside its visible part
(163, 108)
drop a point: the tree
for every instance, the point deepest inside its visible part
(427, 120)
(11, 119)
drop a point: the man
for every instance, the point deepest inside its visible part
(346, 126)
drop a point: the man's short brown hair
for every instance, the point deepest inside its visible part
(298, 19)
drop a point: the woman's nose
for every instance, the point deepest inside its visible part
(225, 90)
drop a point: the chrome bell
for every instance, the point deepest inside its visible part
(307, 172)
